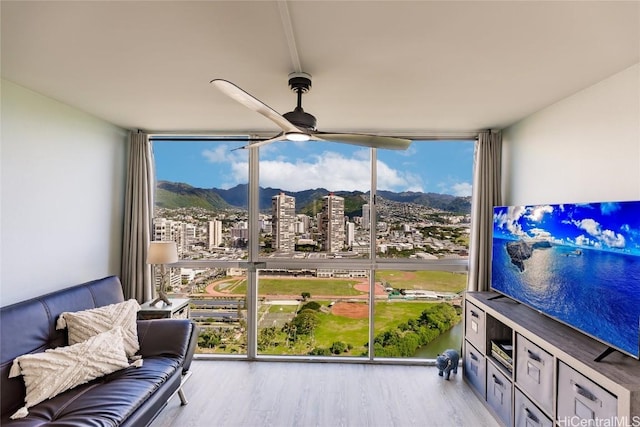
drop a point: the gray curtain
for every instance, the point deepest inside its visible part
(486, 195)
(138, 214)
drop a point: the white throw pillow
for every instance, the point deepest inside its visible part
(83, 325)
(54, 371)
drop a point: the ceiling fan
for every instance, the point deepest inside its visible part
(298, 125)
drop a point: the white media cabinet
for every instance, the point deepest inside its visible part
(554, 378)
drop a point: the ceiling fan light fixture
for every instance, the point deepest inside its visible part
(297, 136)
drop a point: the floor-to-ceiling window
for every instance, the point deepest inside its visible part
(318, 249)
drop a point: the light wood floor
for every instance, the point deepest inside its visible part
(297, 394)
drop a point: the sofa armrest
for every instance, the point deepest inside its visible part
(168, 337)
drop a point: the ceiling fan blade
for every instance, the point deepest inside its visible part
(280, 137)
(251, 102)
(375, 141)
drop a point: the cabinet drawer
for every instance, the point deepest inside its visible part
(474, 368)
(581, 399)
(534, 372)
(499, 393)
(475, 326)
(181, 313)
(527, 414)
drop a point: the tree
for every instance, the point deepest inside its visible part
(305, 296)
(209, 339)
(312, 305)
(266, 337)
(320, 351)
(338, 347)
(305, 322)
(407, 337)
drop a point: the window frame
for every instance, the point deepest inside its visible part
(255, 262)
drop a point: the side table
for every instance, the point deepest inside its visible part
(179, 309)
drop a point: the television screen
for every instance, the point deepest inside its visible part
(577, 263)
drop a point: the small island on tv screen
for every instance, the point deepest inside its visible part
(577, 263)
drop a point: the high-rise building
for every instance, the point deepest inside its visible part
(366, 216)
(351, 233)
(302, 223)
(189, 231)
(215, 233)
(166, 230)
(283, 222)
(331, 223)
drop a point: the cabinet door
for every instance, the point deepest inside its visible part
(181, 312)
(499, 393)
(581, 399)
(474, 368)
(534, 372)
(527, 414)
(475, 326)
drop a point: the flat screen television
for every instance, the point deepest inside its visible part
(578, 263)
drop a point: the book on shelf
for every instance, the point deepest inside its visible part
(502, 351)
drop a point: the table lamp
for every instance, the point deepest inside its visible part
(162, 253)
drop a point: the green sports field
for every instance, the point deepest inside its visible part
(295, 286)
(440, 281)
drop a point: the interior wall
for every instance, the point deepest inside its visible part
(63, 176)
(583, 148)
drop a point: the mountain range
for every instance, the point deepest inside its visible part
(172, 195)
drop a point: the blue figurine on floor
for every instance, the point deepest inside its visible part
(447, 362)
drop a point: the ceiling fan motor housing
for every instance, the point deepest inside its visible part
(301, 119)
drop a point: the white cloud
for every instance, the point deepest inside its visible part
(606, 238)
(589, 225)
(224, 153)
(239, 174)
(329, 170)
(612, 239)
(540, 233)
(462, 189)
(409, 152)
(334, 172)
(509, 220)
(396, 180)
(362, 154)
(582, 240)
(537, 212)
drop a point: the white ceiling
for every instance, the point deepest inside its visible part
(392, 67)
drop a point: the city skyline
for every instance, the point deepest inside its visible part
(427, 166)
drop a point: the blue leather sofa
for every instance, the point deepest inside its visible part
(129, 397)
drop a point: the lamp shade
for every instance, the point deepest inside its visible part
(162, 253)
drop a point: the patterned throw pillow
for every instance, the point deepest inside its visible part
(83, 325)
(54, 371)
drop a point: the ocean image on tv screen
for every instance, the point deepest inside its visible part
(577, 263)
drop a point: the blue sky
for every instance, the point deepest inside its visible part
(428, 166)
(611, 226)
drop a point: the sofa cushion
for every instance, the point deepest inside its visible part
(54, 371)
(82, 325)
